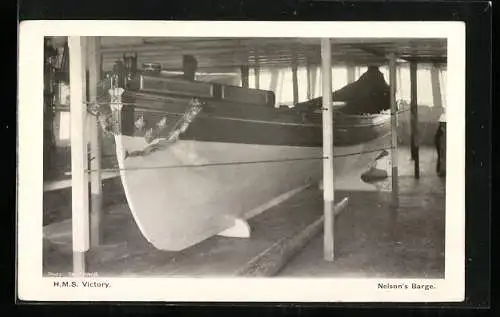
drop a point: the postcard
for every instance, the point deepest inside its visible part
(186, 161)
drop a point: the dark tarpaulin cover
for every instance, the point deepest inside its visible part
(369, 94)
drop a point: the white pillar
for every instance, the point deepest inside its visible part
(328, 172)
(79, 161)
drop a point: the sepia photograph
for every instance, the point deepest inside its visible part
(197, 159)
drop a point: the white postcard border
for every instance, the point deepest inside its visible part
(32, 286)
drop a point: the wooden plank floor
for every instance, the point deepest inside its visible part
(126, 252)
(370, 241)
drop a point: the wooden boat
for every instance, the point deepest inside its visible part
(195, 157)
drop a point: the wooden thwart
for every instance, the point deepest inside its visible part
(273, 259)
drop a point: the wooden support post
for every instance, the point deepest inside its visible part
(295, 80)
(79, 159)
(189, 67)
(328, 171)
(273, 259)
(244, 76)
(414, 119)
(93, 63)
(394, 129)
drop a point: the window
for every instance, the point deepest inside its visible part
(443, 85)
(62, 128)
(431, 85)
(339, 77)
(358, 71)
(403, 91)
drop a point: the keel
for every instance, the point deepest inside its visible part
(240, 229)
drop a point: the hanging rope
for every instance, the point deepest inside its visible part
(207, 165)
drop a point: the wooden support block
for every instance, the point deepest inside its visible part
(241, 229)
(272, 260)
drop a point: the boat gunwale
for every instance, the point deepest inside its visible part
(373, 120)
(381, 121)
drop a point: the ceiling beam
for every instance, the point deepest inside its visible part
(409, 59)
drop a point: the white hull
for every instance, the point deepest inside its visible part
(176, 204)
